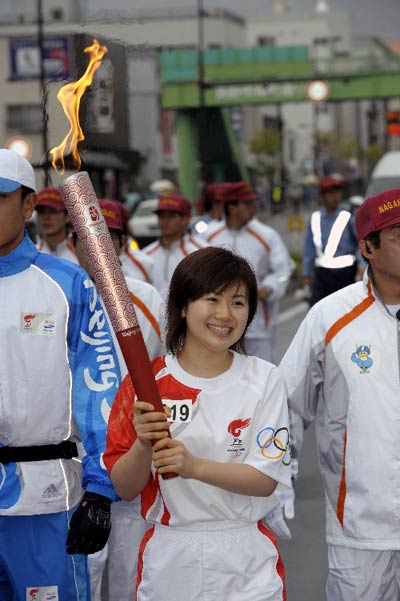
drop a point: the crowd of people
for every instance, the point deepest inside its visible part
(97, 486)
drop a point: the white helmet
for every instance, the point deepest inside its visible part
(162, 186)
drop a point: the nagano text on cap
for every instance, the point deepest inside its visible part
(378, 212)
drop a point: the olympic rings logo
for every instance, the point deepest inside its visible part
(276, 444)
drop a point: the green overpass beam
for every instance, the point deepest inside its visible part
(385, 85)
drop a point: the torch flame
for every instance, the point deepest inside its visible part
(70, 98)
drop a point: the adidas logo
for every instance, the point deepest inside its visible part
(51, 492)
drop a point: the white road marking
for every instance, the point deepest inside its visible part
(293, 312)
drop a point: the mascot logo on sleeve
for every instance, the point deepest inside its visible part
(362, 358)
(236, 449)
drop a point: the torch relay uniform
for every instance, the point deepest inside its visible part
(58, 376)
(262, 246)
(64, 250)
(136, 264)
(119, 556)
(204, 539)
(342, 370)
(167, 258)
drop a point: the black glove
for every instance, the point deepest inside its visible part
(90, 525)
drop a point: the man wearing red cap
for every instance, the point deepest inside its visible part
(342, 370)
(210, 206)
(119, 555)
(175, 242)
(330, 247)
(53, 221)
(262, 246)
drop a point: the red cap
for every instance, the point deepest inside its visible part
(216, 191)
(239, 191)
(112, 213)
(50, 197)
(329, 184)
(175, 203)
(378, 212)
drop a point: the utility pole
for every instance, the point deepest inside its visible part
(202, 122)
(200, 50)
(43, 92)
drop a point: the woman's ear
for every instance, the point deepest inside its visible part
(183, 313)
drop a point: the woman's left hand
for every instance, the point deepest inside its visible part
(171, 455)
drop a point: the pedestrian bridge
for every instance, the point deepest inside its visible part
(271, 75)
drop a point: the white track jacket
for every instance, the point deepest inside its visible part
(58, 377)
(343, 371)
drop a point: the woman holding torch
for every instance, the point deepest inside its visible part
(227, 415)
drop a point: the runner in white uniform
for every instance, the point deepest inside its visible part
(175, 243)
(229, 446)
(52, 220)
(118, 558)
(342, 370)
(262, 246)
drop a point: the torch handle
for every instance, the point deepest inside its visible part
(137, 361)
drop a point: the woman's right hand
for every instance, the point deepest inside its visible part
(149, 425)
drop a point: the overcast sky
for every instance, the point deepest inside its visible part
(369, 17)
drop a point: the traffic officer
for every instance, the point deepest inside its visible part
(330, 247)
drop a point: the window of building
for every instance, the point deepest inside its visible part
(24, 118)
(57, 14)
(265, 40)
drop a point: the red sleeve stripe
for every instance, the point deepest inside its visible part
(279, 564)
(183, 248)
(195, 243)
(150, 251)
(212, 236)
(145, 540)
(350, 316)
(342, 487)
(146, 311)
(258, 237)
(138, 265)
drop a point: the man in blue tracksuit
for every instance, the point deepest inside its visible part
(58, 377)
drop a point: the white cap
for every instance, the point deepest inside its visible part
(15, 171)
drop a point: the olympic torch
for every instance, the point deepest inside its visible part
(85, 213)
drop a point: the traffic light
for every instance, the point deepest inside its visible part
(393, 123)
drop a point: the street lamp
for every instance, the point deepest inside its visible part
(317, 91)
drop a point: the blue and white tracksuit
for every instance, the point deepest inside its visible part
(58, 377)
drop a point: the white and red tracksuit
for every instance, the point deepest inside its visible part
(342, 370)
(206, 542)
(167, 258)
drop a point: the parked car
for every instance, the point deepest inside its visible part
(144, 222)
(386, 174)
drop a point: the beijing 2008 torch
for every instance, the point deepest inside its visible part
(85, 213)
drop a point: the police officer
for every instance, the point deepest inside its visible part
(329, 258)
